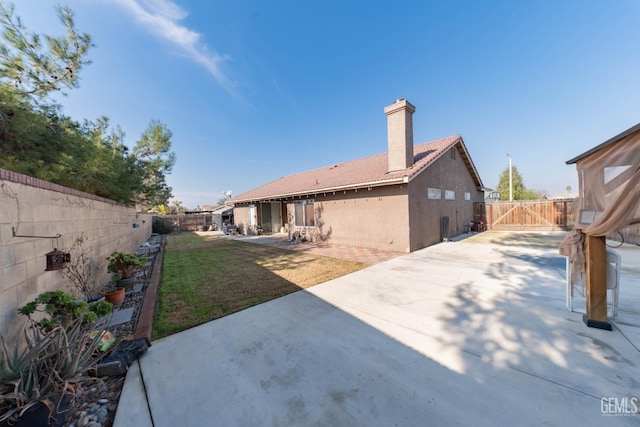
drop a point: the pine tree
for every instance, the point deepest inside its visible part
(36, 64)
(155, 162)
(38, 140)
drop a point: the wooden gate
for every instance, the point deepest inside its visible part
(530, 215)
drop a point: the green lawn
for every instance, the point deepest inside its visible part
(206, 277)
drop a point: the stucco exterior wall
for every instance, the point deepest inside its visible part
(446, 173)
(241, 218)
(397, 217)
(33, 207)
(376, 218)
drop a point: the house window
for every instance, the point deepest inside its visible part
(449, 195)
(467, 195)
(434, 193)
(309, 219)
(299, 214)
(453, 153)
(304, 213)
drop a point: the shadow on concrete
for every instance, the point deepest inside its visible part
(437, 337)
(514, 318)
(300, 361)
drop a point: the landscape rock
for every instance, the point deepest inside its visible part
(102, 415)
(97, 401)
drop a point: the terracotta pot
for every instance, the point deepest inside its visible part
(116, 297)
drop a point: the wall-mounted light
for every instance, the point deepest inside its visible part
(57, 260)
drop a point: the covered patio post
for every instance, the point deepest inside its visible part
(596, 256)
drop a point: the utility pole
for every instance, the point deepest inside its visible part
(510, 179)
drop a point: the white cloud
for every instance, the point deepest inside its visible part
(166, 8)
(161, 18)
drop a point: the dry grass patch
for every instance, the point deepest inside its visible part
(206, 277)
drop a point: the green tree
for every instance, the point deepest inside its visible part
(176, 207)
(37, 139)
(520, 192)
(155, 161)
(38, 64)
(35, 142)
(106, 166)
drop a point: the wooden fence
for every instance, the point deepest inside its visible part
(530, 215)
(191, 222)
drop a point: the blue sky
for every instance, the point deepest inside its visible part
(256, 90)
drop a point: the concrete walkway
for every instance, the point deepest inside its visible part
(473, 332)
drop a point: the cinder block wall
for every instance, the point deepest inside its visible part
(32, 207)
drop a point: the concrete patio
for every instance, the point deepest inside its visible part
(473, 332)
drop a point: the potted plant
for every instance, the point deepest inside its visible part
(113, 293)
(41, 371)
(124, 267)
(62, 309)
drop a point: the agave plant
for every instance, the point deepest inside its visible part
(45, 366)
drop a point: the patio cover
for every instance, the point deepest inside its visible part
(609, 199)
(610, 185)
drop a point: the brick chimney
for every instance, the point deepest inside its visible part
(400, 134)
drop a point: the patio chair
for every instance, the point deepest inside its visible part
(613, 282)
(576, 285)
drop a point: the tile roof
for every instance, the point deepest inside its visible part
(366, 172)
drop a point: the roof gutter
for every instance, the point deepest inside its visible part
(379, 183)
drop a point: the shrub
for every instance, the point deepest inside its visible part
(62, 309)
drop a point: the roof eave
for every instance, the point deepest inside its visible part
(370, 184)
(468, 162)
(471, 164)
(610, 141)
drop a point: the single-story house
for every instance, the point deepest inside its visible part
(403, 200)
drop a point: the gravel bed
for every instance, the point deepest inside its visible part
(97, 401)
